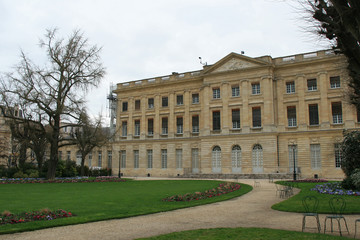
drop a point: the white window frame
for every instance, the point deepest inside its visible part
(216, 93)
(136, 159)
(164, 158)
(149, 158)
(236, 156)
(315, 156)
(179, 155)
(255, 89)
(290, 87)
(235, 91)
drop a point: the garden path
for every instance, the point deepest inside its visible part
(250, 210)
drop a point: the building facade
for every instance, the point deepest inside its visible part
(240, 115)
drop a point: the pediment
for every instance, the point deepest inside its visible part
(233, 62)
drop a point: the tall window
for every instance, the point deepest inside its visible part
(59, 155)
(137, 104)
(136, 158)
(195, 98)
(179, 100)
(216, 121)
(235, 91)
(335, 82)
(312, 84)
(109, 155)
(125, 106)
(293, 152)
(236, 118)
(150, 127)
(216, 158)
(150, 158)
(338, 157)
(179, 158)
(123, 158)
(236, 156)
(164, 101)
(216, 93)
(124, 129)
(315, 156)
(290, 87)
(90, 159)
(179, 125)
(164, 126)
(194, 158)
(195, 124)
(337, 112)
(291, 115)
(99, 158)
(151, 103)
(313, 114)
(163, 158)
(137, 128)
(257, 158)
(78, 158)
(255, 88)
(256, 117)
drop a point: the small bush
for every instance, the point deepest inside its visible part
(20, 174)
(355, 179)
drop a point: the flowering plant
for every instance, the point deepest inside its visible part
(223, 188)
(60, 180)
(43, 215)
(334, 188)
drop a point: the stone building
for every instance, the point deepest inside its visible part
(240, 116)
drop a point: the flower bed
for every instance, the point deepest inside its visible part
(60, 180)
(43, 215)
(334, 188)
(223, 188)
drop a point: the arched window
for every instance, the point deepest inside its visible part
(236, 156)
(216, 159)
(257, 158)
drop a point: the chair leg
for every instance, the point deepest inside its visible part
(339, 226)
(325, 225)
(303, 223)
(355, 229)
(346, 226)
(318, 224)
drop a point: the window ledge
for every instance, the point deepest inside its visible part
(314, 126)
(215, 131)
(337, 124)
(256, 128)
(291, 127)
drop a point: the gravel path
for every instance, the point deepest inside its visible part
(250, 210)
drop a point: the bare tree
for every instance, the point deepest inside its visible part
(54, 92)
(89, 135)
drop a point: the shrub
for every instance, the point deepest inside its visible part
(20, 174)
(350, 152)
(355, 179)
(347, 183)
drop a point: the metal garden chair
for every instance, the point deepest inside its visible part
(356, 221)
(310, 204)
(337, 206)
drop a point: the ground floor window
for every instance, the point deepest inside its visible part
(99, 158)
(90, 159)
(109, 159)
(338, 157)
(179, 158)
(257, 158)
(236, 156)
(315, 156)
(164, 158)
(136, 158)
(195, 160)
(123, 159)
(216, 159)
(293, 155)
(149, 158)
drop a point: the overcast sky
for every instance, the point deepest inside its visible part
(144, 39)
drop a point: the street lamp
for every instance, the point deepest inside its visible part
(294, 167)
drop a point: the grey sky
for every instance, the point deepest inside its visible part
(144, 39)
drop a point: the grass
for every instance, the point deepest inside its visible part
(294, 204)
(242, 234)
(100, 201)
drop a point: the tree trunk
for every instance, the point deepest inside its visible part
(82, 168)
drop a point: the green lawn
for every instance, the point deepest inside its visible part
(242, 234)
(294, 204)
(100, 201)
